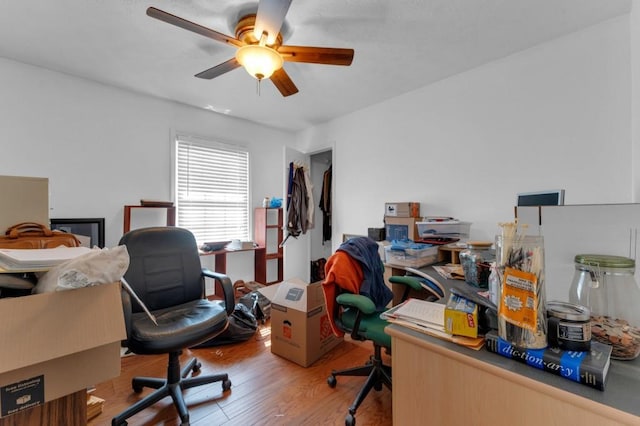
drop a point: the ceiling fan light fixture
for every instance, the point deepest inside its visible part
(259, 61)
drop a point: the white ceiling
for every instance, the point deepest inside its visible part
(399, 45)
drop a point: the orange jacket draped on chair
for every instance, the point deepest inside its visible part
(355, 267)
(343, 269)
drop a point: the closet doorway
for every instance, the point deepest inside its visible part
(321, 168)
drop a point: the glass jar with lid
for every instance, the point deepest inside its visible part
(476, 262)
(606, 285)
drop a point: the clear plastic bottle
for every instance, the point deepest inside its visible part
(476, 262)
(606, 285)
(522, 316)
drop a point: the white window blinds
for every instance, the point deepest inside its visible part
(212, 190)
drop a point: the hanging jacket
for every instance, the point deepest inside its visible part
(325, 205)
(297, 214)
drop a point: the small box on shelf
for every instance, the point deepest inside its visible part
(406, 209)
(401, 228)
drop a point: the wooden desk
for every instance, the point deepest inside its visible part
(449, 253)
(445, 384)
(220, 263)
(441, 383)
(221, 257)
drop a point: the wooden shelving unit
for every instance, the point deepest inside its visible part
(267, 224)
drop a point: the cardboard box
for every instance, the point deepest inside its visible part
(55, 344)
(401, 228)
(461, 317)
(300, 328)
(23, 199)
(410, 209)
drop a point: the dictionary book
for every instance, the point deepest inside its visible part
(589, 368)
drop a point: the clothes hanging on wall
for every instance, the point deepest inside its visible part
(310, 204)
(325, 205)
(299, 210)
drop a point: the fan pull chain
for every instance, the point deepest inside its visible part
(258, 86)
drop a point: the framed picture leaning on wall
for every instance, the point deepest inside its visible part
(92, 228)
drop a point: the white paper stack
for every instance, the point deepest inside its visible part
(21, 260)
(418, 312)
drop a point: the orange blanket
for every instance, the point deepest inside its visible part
(342, 271)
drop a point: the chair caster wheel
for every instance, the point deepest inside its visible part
(122, 423)
(349, 420)
(331, 381)
(137, 389)
(226, 385)
(196, 367)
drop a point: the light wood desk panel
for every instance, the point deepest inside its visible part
(437, 382)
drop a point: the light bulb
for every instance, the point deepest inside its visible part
(259, 61)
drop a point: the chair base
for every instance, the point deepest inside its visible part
(172, 386)
(377, 374)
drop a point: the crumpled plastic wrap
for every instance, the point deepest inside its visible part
(100, 266)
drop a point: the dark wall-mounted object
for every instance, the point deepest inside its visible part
(90, 227)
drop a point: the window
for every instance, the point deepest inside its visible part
(212, 189)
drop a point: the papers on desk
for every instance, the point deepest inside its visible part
(419, 312)
(26, 260)
(450, 271)
(427, 317)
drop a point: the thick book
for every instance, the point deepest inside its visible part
(589, 368)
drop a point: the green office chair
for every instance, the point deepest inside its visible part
(357, 316)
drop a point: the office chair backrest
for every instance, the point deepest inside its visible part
(164, 268)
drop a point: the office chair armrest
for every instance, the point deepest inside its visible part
(412, 282)
(126, 310)
(227, 288)
(361, 303)
(421, 284)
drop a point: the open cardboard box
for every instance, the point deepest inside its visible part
(300, 329)
(55, 344)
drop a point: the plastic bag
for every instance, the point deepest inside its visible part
(242, 326)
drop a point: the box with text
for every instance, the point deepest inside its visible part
(300, 328)
(407, 209)
(461, 317)
(401, 228)
(54, 344)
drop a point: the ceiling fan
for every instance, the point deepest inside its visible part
(260, 49)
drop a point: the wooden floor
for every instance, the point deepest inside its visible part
(266, 390)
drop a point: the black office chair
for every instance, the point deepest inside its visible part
(356, 315)
(166, 274)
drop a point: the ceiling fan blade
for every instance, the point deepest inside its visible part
(220, 69)
(270, 17)
(191, 26)
(317, 55)
(283, 83)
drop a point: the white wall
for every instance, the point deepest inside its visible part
(554, 116)
(103, 147)
(634, 23)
